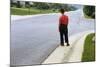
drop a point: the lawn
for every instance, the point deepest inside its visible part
(89, 49)
(27, 11)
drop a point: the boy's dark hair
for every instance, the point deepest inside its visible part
(62, 11)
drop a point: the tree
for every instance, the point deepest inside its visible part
(13, 4)
(27, 4)
(56, 6)
(39, 5)
(18, 4)
(89, 11)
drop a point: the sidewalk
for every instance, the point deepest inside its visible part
(19, 17)
(72, 53)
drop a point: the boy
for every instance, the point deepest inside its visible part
(63, 28)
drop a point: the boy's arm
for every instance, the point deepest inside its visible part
(67, 20)
(59, 23)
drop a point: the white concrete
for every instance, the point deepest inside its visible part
(72, 53)
(57, 55)
(19, 17)
(79, 48)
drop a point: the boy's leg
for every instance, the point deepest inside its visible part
(66, 37)
(61, 38)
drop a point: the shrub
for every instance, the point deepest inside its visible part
(89, 11)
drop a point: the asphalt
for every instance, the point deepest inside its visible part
(33, 39)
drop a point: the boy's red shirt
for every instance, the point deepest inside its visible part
(63, 20)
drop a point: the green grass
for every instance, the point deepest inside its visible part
(26, 11)
(89, 49)
(88, 17)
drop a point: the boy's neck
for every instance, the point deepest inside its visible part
(62, 14)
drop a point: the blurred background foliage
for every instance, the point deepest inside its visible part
(28, 7)
(89, 11)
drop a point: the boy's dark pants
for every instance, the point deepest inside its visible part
(63, 34)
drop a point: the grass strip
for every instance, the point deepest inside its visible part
(31, 11)
(89, 49)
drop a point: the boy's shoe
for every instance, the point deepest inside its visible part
(68, 44)
(62, 44)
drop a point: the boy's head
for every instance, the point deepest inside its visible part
(62, 11)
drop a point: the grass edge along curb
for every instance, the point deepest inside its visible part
(89, 49)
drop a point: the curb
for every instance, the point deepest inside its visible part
(29, 16)
(72, 53)
(37, 15)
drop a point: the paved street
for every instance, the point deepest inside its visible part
(34, 38)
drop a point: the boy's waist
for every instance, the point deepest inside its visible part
(63, 24)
